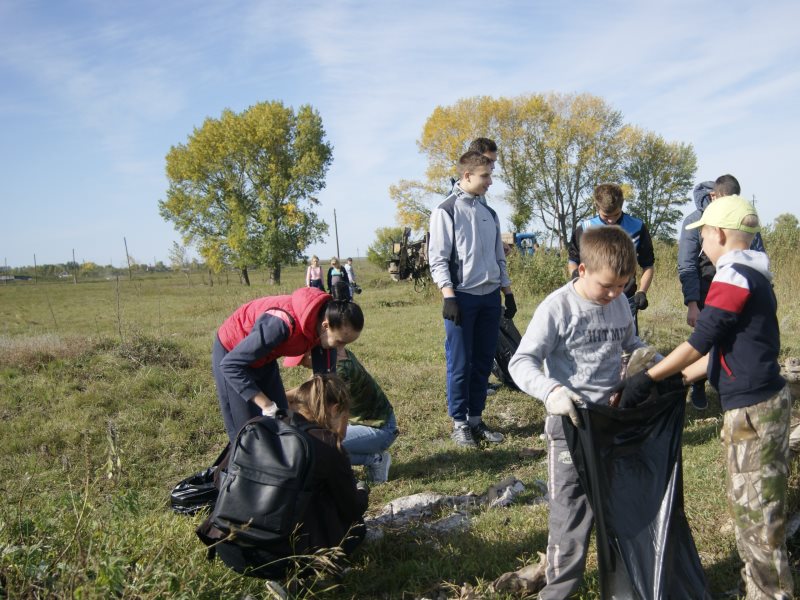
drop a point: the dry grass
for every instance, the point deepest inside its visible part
(102, 411)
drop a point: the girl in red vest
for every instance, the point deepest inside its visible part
(249, 342)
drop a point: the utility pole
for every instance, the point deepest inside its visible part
(35, 276)
(74, 268)
(128, 258)
(336, 230)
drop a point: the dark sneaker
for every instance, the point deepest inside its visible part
(697, 394)
(378, 472)
(462, 435)
(482, 432)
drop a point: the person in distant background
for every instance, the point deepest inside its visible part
(351, 275)
(314, 274)
(336, 273)
(608, 200)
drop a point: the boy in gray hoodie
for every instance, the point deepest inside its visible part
(572, 352)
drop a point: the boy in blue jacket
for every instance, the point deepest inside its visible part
(735, 343)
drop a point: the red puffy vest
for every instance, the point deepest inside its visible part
(300, 311)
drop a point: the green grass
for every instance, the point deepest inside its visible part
(107, 400)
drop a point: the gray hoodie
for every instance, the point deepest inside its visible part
(576, 343)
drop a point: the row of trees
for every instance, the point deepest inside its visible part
(553, 149)
(243, 188)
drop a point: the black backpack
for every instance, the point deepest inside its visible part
(264, 491)
(508, 340)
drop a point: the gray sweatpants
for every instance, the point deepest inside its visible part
(571, 518)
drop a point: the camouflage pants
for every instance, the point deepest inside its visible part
(756, 441)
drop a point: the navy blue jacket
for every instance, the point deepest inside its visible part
(635, 228)
(739, 327)
(694, 269)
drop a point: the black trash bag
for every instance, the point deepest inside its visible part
(629, 464)
(508, 340)
(198, 491)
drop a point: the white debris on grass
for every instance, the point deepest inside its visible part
(416, 509)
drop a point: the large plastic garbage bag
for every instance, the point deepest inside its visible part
(629, 463)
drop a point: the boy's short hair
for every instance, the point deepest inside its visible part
(470, 161)
(608, 247)
(727, 185)
(482, 144)
(608, 197)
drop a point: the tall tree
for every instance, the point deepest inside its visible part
(412, 198)
(660, 175)
(243, 186)
(552, 150)
(379, 252)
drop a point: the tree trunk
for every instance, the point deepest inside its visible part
(275, 275)
(245, 277)
(210, 278)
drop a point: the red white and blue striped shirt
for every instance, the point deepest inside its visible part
(739, 327)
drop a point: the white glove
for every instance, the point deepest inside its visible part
(561, 401)
(270, 411)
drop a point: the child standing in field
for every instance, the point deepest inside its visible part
(314, 274)
(735, 343)
(572, 351)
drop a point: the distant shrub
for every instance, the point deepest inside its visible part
(782, 241)
(145, 350)
(539, 274)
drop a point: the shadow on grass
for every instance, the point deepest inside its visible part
(459, 464)
(723, 576)
(419, 563)
(699, 436)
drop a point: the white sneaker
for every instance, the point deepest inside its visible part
(378, 472)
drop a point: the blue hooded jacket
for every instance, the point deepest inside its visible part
(694, 268)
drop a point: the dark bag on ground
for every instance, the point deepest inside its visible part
(197, 492)
(508, 341)
(263, 494)
(629, 464)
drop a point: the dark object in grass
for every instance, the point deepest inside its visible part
(197, 492)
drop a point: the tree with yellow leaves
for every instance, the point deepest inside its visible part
(553, 149)
(243, 186)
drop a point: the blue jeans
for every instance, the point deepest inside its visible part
(469, 352)
(363, 443)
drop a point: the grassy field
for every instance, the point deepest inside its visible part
(107, 400)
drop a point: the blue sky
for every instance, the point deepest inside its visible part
(94, 93)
